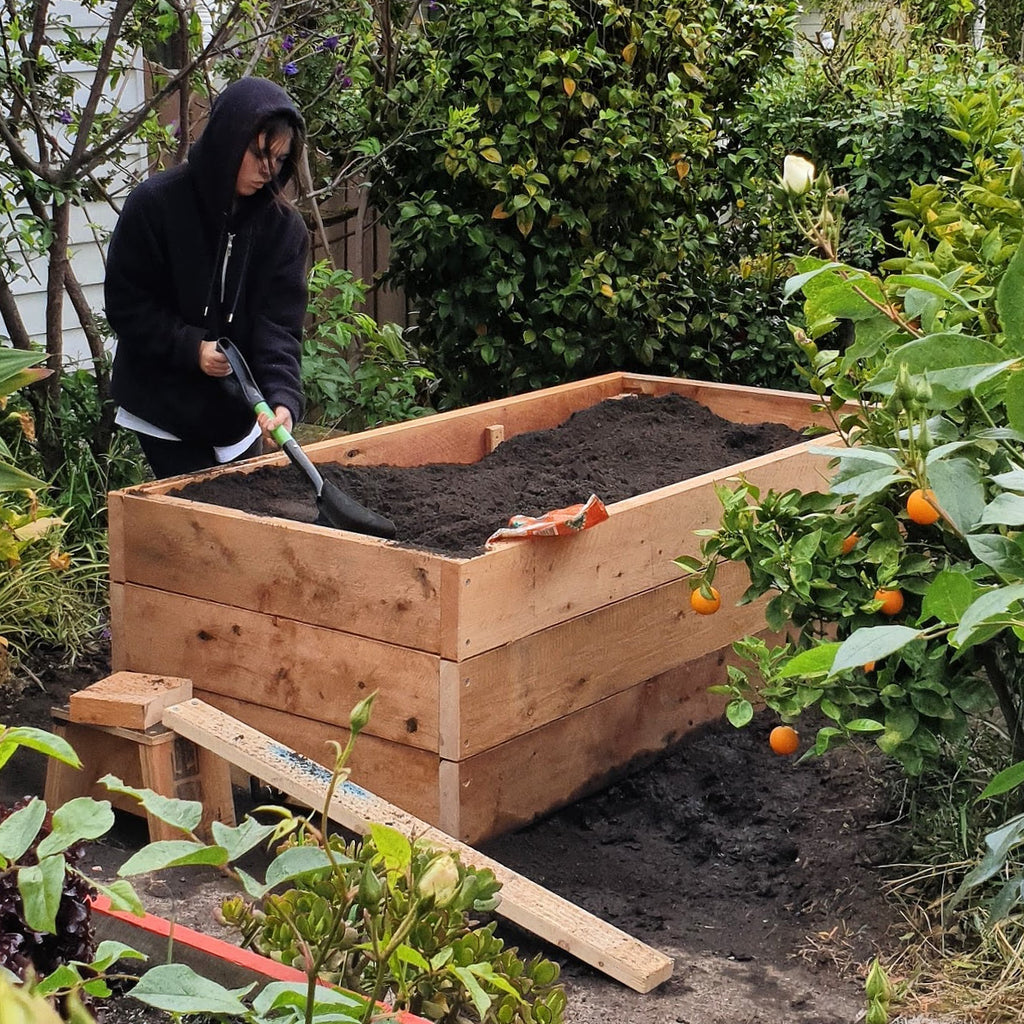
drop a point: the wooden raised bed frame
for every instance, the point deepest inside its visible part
(509, 683)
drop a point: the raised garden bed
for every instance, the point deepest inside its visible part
(511, 680)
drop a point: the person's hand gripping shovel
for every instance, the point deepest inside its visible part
(335, 507)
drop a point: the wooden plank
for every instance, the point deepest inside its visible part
(278, 662)
(115, 535)
(325, 577)
(493, 436)
(527, 585)
(523, 902)
(131, 700)
(512, 784)
(736, 402)
(538, 678)
(404, 775)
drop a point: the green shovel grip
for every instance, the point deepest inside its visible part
(279, 434)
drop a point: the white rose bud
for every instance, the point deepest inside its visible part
(440, 881)
(797, 175)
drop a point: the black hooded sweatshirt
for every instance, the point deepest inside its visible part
(167, 286)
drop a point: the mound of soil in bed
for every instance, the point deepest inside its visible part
(616, 449)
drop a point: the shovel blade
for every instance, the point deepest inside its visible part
(343, 512)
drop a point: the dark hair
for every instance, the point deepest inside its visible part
(272, 128)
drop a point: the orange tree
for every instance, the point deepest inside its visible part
(901, 629)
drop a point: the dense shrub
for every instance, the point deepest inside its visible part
(566, 212)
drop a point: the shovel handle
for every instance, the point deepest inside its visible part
(280, 433)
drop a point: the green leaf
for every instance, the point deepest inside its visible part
(998, 553)
(19, 829)
(297, 861)
(1013, 480)
(815, 661)
(121, 895)
(999, 843)
(41, 886)
(948, 596)
(689, 564)
(392, 846)
(36, 739)
(864, 725)
(1007, 779)
(176, 988)
(991, 604)
(240, 839)
(920, 282)
(481, 1000)
(1004, 509)
(871, 643)
(862, 472)
(108, 952)
(408, 955)
(1010, 302)
(182, 814)
(739, 712)
(1013, 400)
(172, 853)
(959, 491)
(81, 818)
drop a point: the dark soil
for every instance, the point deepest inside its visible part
(756, 873)
(616, 450)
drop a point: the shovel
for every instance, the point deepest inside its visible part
(335, 507)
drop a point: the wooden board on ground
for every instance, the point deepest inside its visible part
(525, 903)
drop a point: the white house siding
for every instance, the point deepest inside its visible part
(90, 225)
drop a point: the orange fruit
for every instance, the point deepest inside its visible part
(849, 544)
(705, 605)
(869, 666)
(784, 739)
(892, 601)
(921, 507)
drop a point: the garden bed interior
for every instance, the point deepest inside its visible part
(510, 681)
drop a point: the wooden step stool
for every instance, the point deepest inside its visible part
(114, 726)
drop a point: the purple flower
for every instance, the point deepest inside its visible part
(344, 81)
(65, 117)
(330, 43)
(288, 43)
(291, 68)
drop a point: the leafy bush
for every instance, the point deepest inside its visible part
(390, 916)
(560, 215)
(356, 374)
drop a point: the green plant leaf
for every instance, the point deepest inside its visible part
(481, 1000)
(932, 285)
(80, 818)
(871, 643)
(864, 725)
(36, 739)
(176, 988)
(109, 951)
(183, 814)
(18, 830)
(408, 955)
(392, 846)
(815, 661)
(948, 596)
(999, 843)
(1010, 302)
(121, 895)
(297, 861)
(1013, 399)
(1004, 509)
(990, 604)
(242, 838)
(172, 853)
(1004, 781)
(41, 886)
(739, 712)
(958, 490)
(998, 553)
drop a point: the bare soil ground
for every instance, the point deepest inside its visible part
(758, 874)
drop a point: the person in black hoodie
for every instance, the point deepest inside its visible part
(205, 250)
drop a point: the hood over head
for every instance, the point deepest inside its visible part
(236, 115)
